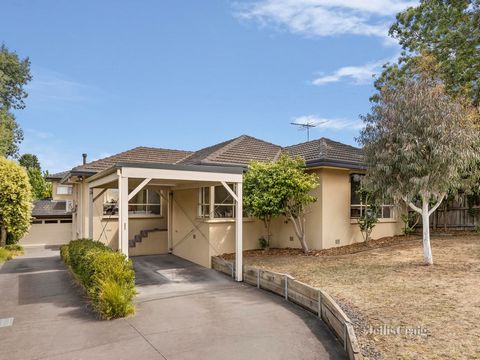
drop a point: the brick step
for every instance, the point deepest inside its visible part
(143, 234)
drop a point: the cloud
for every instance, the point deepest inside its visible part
(325, 17)
(326, 123)
(359, 74)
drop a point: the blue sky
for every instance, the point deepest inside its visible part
(111, 75)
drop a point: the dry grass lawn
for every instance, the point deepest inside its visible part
(389, 286)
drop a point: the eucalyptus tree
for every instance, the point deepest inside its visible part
(419, 144)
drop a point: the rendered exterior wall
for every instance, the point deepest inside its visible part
(55, 196)
(197, 239)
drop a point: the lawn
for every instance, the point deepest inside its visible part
(388, 286)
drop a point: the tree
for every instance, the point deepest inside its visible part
(261, 197)
(15, 200)
(277, 188)
(40, 187)
(418, 142)
(10, 134)
(296, 186)
(443, 39)
(29, 162)
(14, 75)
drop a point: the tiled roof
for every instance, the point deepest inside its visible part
(238, 151)
(50, 208)
(137, 155)
(58, 175)
(327, 150)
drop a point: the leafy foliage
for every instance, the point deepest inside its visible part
(41, 188)
(14, 75)
(261, 196)
(369, 217)
(442, 39)
(10, 134)
(419, 143)
(107, 276)
(15, 200)
(280, 187)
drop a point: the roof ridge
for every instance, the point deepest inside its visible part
(230, 143)
(325, 139)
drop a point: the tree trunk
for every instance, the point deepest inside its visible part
(300, 231)
(267, 227)
(3, 236)
(427, 250)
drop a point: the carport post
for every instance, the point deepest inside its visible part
(123, 214)
(90, 213)
(239, 233)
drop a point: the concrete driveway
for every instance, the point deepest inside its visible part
(184, 311)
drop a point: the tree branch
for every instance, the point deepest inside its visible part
(442, 196)
(412, 205)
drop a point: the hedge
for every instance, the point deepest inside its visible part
(107, 276)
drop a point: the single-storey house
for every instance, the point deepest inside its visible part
(154, 200)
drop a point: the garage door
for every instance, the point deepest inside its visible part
(49, 232)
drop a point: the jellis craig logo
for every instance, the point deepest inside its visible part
(386, 330)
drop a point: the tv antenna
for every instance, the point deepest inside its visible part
(307, 125)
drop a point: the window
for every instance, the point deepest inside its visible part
(64, 189)
(358, 208)
(146, 202)
(223, 203)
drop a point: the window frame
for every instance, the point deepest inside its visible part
(131, 214)
(361, 207)
(63, 186)
(205, 202)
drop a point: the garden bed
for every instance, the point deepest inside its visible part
(106, 276)
(386, 286)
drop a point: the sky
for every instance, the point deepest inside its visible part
(114, 74)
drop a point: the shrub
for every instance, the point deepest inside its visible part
(107, 276)
(14, 247)
(4, 255)
(477, 229)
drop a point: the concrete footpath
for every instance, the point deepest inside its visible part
(184, 311)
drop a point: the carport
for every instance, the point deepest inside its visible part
(131, 178)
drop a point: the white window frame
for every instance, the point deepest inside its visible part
(363, 207)
(114, 205)
(205, 202)
(69, 190)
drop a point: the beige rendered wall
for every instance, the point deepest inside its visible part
(190, 235)
(105, 228)
(337, 225)
(283, 233)
(48, 233)
(55, 184)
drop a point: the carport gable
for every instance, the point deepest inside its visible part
(130, 178)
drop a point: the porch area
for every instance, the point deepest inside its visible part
(176, 222)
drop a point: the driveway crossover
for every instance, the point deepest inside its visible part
(184, 311)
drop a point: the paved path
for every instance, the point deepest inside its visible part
(184, 311)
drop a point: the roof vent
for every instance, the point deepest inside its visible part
(84, 156)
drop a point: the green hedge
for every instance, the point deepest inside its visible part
(107, 276)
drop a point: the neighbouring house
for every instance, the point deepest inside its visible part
(52, 218)
(153, 200)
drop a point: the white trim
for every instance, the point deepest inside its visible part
(239, 233)
(229, 189)
(138, 188)
(167, 174)
(123, 214)
(103, 180)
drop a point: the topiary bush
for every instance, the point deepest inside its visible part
(106, 275)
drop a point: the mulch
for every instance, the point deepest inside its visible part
(342, 250)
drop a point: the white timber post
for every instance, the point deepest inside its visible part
(239, 233)
(123, 214)
(90, 214)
